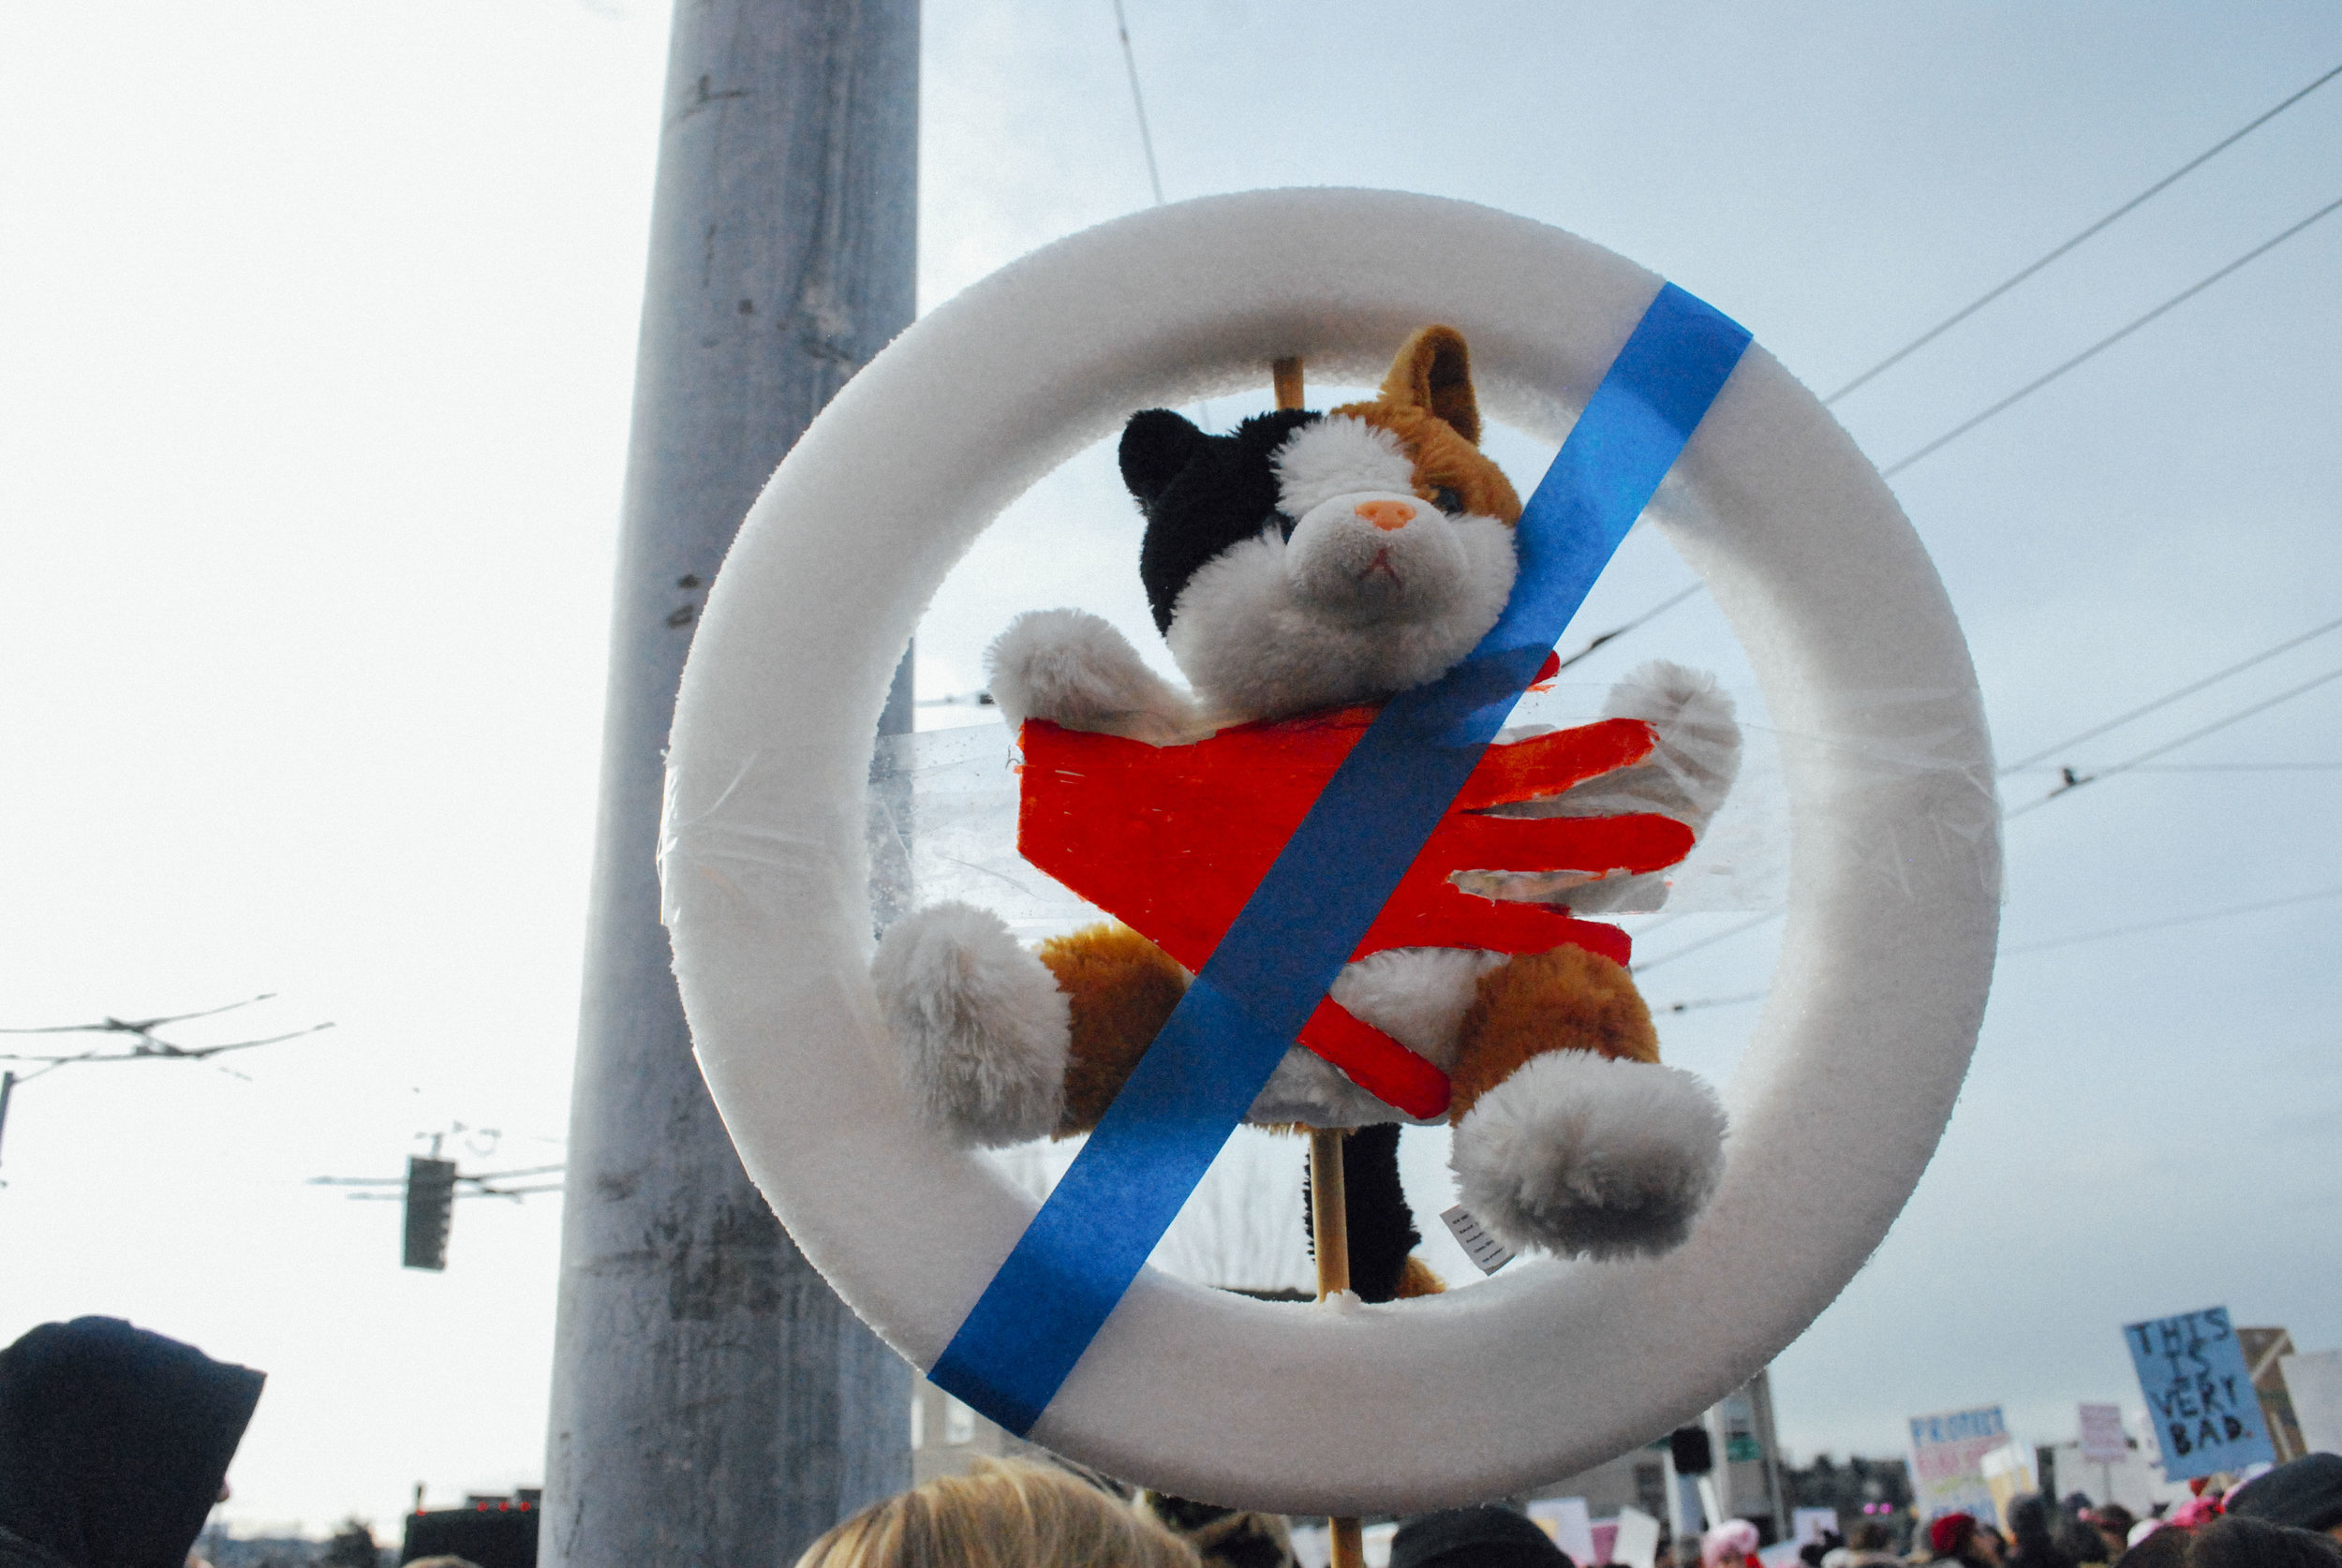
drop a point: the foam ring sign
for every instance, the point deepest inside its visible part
(1886, 953)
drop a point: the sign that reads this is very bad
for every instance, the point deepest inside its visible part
(2199, 1391)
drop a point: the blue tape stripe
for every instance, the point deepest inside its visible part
(1190, 1089)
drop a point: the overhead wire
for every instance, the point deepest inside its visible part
(2027, 389)
(1940, 442)
(2176, 919)
(2012, 281)
(1139, 101)
(144, 1028)
(1671, 955)
(1701, 1004)
(2075, 781)
(1644, 619)
(2214, 767)
(1146, 144)
(2126, 208)
(2170, 697)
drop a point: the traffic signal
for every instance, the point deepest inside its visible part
(430, 1204)
(1692, 1452)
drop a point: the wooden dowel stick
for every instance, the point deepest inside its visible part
(1330, 1212)
(1329, 1217)
(1349, 1545)
(1285, 375)
(1329, 1223)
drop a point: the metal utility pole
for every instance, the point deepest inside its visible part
(713, 1403)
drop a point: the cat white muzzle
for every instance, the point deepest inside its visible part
(1375, 555)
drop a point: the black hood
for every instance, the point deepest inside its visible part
(1485, 1537)
(114, 1441)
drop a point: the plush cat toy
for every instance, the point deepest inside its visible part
(1308, 562)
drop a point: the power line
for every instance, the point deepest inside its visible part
(2104, 343)
(1981, 301)
(1726, 933)
(2211, 767)
(2176, 919)
(2023, 392)
(1644, 619)
(2169, 697)
(1705, 1002)
(2075, 780)
(1139, 101)
(1702, 1003)
(1995, 292)
(144, 1028)
(1155, 175)
(145, 1044)
(2073, 783)
(482, 1186)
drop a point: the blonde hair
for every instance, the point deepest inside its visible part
(1005, 1514)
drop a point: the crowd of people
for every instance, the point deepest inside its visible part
(2288, 1517)
(1018, 1514)
(115, 1444)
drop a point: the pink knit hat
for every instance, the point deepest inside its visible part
(1733, 1538)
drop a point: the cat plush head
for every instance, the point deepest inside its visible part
(1307, 561)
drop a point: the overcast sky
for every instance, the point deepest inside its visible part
(316, 328)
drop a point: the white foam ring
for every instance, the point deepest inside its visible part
(1550, 1367)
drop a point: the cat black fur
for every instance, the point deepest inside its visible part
(1200, 494)
(1381, 1224)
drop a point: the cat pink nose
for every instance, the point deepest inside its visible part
(1387, 514)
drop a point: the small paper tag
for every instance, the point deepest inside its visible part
(1480, 1247)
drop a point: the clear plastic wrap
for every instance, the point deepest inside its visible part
(943, 809)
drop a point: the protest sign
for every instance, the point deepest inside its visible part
(2009, 1474)
(1566, 1519)
(2200, 1393)
(1637, 1543)
(2265, 1350)
(2103, 1440)
(1809, 1524)
(1948, 1461)
(2314, 1383)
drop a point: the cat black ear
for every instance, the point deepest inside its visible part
(1157, 445)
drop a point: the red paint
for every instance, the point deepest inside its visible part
(1172, 840)
(1377, 1062)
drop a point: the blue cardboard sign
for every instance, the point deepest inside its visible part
(2199, 1391)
